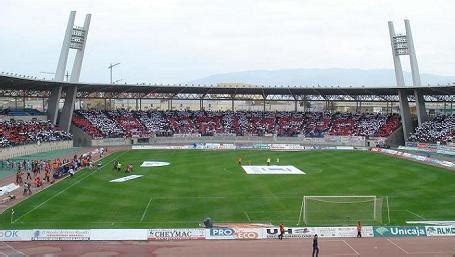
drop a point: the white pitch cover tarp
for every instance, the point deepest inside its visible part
(345, 148)
(15, 235)
(176, 234)
(154, 164)
(8, 189)
(118, 234)
(61, 234)
(272, 170)
(123, 179)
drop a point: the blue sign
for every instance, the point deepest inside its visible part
(222, 232)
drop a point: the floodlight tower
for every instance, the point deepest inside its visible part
(75, 38)
(110, 68)
(403, 44)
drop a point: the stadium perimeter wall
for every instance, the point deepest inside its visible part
(326, 141)
(24, 118)
(448, 149)
(222, 233)
(21, 150)
(81, 139)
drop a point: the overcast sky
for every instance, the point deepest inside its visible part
(170, 41)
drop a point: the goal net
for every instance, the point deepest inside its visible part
(341, 210)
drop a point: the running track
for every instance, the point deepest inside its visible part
(371, 247)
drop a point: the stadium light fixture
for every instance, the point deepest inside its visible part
(110, 68)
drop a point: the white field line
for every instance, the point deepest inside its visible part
(272, 197)
(14, 249)
(418, 216)
(64, 190)
(3, 254)
(341, 254)
(301, 210)
(146, 208)
(410, 212)
(130, 222)
(432, 222)
(388, 209)
(357, 253)
(189, 197)
(247, 216)
(432, 253)
(390, 241)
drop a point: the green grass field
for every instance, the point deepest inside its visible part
(200, 184)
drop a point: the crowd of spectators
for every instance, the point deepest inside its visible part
(154, 122)
(129, 123)
(17, 132)
(440, 129)
(122, 123)
(98, 124)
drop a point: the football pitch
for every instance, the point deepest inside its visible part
(199, 184)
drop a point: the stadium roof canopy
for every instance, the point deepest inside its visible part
(24, 84)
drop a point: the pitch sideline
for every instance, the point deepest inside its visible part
(146, 209)
(64, 190)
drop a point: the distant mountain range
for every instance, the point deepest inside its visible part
(322, 77)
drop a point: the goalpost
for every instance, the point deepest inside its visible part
(341, 210)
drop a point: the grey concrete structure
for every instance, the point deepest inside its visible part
(396, 57)
(54, 98)
(53, 103)
(405, 113)
(68, 108)
(421, 112)
(75, 38)
(404, 45)
(78, 42)
(412, 56)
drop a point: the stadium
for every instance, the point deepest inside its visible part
(213, 170)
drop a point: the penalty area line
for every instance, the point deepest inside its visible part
(146, 209)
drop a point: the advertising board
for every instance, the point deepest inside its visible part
(118, 234)
(15, 235)
(234, 233)
(440, 230)
(407, 231)
(176, 234)
(60, 234)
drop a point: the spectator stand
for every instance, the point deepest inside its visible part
(143, 124)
